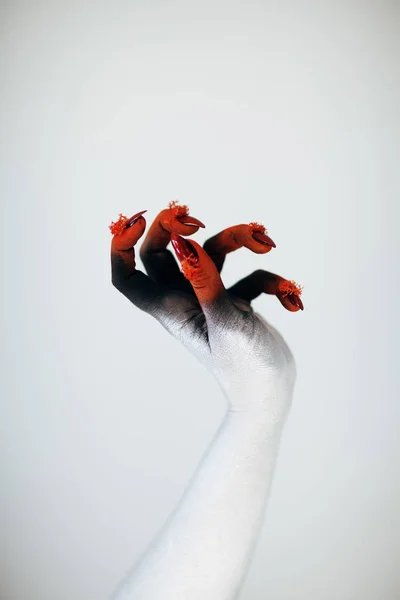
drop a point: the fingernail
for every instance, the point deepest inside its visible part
(263, 239)
(186, 220)
(295, 300)
(135, 217)
(182, 247)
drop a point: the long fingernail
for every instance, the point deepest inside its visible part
(295, 300)
(182, 247)
(186, 220)
(135, 218)
(263, 239)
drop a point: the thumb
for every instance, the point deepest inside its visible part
(203, 275)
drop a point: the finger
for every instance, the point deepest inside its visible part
(199, 269)
(132, 283)
(159, 262)
(252, 236)
(287, 292)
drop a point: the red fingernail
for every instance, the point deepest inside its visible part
(182, 247)
(263, 239)
(295, 300)
(135, 217)
(186, 220)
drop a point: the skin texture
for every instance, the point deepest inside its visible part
(205, 547)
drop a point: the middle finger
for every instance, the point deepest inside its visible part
(159, 262)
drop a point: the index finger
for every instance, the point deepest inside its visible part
(143, 292)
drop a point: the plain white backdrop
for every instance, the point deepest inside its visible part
(284, 113)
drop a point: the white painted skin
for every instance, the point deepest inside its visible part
(205, 547)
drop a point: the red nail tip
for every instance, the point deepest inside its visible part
(123, 222)
(263, 239)
(292, 291)
(135, 217)
(295, 300)
(186, 220)
(182, 247)
(177, 248)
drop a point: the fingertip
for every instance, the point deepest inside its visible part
(136, 218)
(198, 268)
(292, 304)
(183, 247)
(188, 220)
(118, 227)
(128, 231)
(263, 239)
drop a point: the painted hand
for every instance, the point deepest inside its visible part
(205, 547)
(246, 354)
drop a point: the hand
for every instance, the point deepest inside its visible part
(246, 354)
(205, 547)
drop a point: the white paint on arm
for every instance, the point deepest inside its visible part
(204, 549)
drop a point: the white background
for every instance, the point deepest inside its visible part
(285, 113)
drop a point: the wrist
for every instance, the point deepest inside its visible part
(269, 410)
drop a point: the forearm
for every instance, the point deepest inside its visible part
(205, 547)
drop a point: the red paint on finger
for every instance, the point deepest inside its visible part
(289, 293)
(259, 233)
(257, 227)
(183, 248)
(290, 287)
(123, 223)
(178, 210)
(186, 220)
(135, 218)
(190, 267)
(296, 301)
(263, 239)
(118, 226)
(187, 255)
(198, 268)
(181, 214)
